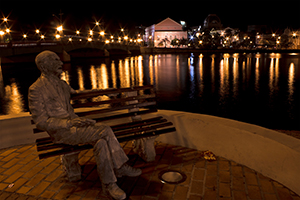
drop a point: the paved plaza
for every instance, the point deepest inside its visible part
(24, 176)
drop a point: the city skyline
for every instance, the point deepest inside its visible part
(132, 13)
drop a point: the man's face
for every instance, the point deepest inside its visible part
(55, 65)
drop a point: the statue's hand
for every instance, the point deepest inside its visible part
(80, 122)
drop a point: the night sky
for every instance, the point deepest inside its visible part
(127, 14)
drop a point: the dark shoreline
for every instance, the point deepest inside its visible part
(154, 50)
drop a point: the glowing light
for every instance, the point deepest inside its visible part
(42, 37)
(70, 39)
(5, 19)
(97, 23)
(59, 28)
(106, 41)
(24, 36)
(111, 37)
(91, 32)
(37, 31)
(7, 30)
(200, 42)
(122, 29)
(57, 36)
(77, 32)
(273, 35)
(2, 33)
(90, 39)
(102, 33)
(126, 38)
(294, 34)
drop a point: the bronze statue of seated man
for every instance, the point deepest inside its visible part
(49, 103)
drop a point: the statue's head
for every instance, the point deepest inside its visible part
(49, 63)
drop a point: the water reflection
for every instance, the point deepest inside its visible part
(228, 85)
(224, 78)
(13, 98)
(291, 81)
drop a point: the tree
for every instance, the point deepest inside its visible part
(175, 42)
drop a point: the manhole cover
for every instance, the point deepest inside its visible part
(172, 176)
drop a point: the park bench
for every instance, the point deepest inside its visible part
(112, 106)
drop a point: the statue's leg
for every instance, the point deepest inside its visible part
(71, 166)
(105, 166)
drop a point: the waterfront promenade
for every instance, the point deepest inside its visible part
(23, 176)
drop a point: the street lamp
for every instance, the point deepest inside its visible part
(59, 28)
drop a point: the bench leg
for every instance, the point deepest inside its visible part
(145, 148)
(71, 166)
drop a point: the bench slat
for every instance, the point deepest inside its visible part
(144, 129)
(138, 124)
(111, 101)
(101, 111)
(90, 94)
(100, 119)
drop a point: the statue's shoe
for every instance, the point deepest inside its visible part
(127, 170)
(114, 191)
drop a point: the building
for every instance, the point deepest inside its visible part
(161, 34)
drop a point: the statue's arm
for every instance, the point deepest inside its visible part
(39, 114)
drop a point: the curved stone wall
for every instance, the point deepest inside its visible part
(269, 152)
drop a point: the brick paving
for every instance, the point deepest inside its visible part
(24, 177)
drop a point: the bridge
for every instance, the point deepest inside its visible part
(67, 49)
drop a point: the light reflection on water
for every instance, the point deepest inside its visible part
(237, 86)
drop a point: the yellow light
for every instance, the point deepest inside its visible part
(111, 37)
(24, 36)
(70, 39)
(278, 42)
(201, 41)
(57, 36)
(294, 34)
(5, 19)
(102, 33)
(97, 23)
(37, 31)
(59, 28)
(258, 36)
(1, 33)
(91, 32)
(42, 37)
(126, 38)
(122, 29)
(106, 41)
(90, 39)
(273, 35)
(7, 30)
(77, 32)
(130, 40)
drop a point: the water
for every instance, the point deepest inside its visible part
(261, 89)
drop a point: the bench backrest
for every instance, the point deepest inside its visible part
(109, 104)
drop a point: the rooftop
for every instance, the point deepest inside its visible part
(23, 176)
